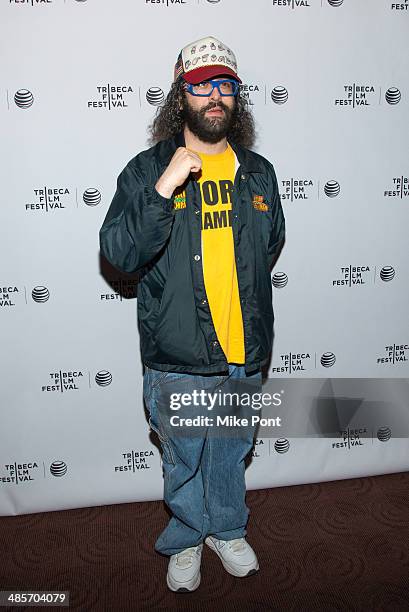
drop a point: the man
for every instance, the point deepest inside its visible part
(199, 216)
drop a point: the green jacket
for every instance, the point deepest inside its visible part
(143, 232)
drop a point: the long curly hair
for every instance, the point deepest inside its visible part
(169, 120)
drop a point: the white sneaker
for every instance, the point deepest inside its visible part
(237, 556)
(184, 569)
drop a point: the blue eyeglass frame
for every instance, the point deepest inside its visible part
(189, 88)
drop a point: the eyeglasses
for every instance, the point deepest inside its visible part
(226, 87)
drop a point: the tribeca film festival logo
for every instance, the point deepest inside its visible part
(11, 296)
(290, 3)
(399, 189)
(122, 287)
(74, 380)
(111, 97)
(355, 95)
(133, 461)
(351, 437)
(351, 276)
(292, 362)
(302, 188)
(394, 354)
(19, 472)
(52, 199)
(293, 4)
(302, 362)
(48, 199)
(27, 471)
(296, 189)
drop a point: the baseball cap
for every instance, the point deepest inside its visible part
(206, 58)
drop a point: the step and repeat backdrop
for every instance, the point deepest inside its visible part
(327, 81)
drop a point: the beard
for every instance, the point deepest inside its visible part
(208, 130)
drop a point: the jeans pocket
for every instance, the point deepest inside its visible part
(168, 455)
(157, 378)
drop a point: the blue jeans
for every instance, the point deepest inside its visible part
(204, 474)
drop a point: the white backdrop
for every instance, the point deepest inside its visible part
(327, 81)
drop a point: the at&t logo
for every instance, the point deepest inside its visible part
(279, 280)
(155, 96)
(40, 294)
(279, 94)
(91, 196)
(393, 95)
(103, 378)
(332, 189)
(23, 98)
(328, 359)
(58, 468)
(387, 273)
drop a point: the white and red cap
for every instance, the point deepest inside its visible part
(204, 59)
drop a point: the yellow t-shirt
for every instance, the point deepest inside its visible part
(219, 265)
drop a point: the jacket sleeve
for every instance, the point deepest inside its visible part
(277, 234)
(137, 224)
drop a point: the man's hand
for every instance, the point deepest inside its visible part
(182, 163)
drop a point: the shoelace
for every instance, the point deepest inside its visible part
(235, 545)
(184, 558)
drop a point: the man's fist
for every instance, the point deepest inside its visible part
(182, 163)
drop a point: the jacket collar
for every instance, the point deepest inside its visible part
(248, 160)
